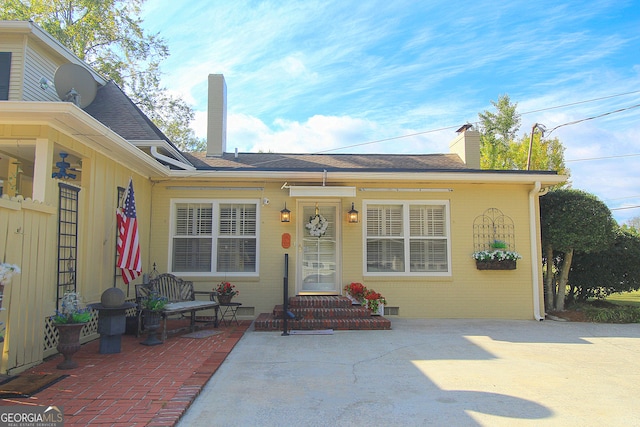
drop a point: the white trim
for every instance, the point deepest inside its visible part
(212, 187)
(161, 143)
(172, 161)
(535, 251)
(318, 191)
(409, 190)
(300, 234)
(215, 203)
(406, 237)
(72, 121)
(414, 177)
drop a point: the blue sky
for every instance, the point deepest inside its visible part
(310, 76)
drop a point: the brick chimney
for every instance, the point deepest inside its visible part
(467, 146)
(217, 116)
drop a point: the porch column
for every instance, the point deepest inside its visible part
(42, 169)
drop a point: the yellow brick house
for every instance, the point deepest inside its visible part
(405, 225)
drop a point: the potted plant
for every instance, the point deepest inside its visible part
(375, 302)
(497, 258)
(69, 321)
(225, 291)
(152, 306)
(7, 271)
(355, 292)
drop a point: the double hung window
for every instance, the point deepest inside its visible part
(214, 236)
(407, 238)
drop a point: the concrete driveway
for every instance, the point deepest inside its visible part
(430, 372)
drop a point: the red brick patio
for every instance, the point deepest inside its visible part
(140, 386)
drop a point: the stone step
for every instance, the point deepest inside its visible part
(267, 322)
(355, 311)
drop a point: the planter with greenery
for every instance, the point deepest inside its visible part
(497, 258)
(152, 307)
(355, 292)
(69, 321)
(368, 298)
(375, 302)
(225, 291)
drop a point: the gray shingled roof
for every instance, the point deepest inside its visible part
(113, 108)
(329, 162)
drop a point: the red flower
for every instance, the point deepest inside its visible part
(226, 288)
(355, 289)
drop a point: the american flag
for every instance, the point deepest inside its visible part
(128, 241)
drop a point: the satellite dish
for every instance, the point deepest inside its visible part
(75, 84)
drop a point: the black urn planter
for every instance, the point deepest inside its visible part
(68, 343)
(507, 264)
(151, 322)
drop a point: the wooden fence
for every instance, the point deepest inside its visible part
(28, 238)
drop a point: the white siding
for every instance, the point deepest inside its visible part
(14, 44)
(38, 64)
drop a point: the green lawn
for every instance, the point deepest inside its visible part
(627, 298)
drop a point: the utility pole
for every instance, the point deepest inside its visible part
(542, 129)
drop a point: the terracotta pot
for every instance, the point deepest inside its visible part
(68, 343)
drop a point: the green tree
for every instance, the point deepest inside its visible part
(571, 220)
(602, 273)
(632, 225)
(546, 154)
(498, 129)
(500, 149)
(108, 35)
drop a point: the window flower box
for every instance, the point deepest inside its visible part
(496, 260)
(507, 264)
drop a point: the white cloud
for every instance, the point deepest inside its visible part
(317, 75)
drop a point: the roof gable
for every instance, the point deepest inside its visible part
(113, 108)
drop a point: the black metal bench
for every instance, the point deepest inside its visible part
(181, 299)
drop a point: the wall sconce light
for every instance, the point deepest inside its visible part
(285, 214)
(352, 215)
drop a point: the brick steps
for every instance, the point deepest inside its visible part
(322, 312)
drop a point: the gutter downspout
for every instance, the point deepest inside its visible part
(157, 155)
(535, 192)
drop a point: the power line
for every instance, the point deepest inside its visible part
(626, 207)
(602, 158)
(388, 139)
(581, 102)
(594, 117)
(528, 112)
(457, 126)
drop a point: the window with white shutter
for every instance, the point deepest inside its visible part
(407, 238)
(217, 236)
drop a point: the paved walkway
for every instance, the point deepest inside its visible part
(430, 372)
(423, 372)
(140, 386)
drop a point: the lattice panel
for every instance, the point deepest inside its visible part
(51, 332)
(490, 226)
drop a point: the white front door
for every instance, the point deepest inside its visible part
(319, 248)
